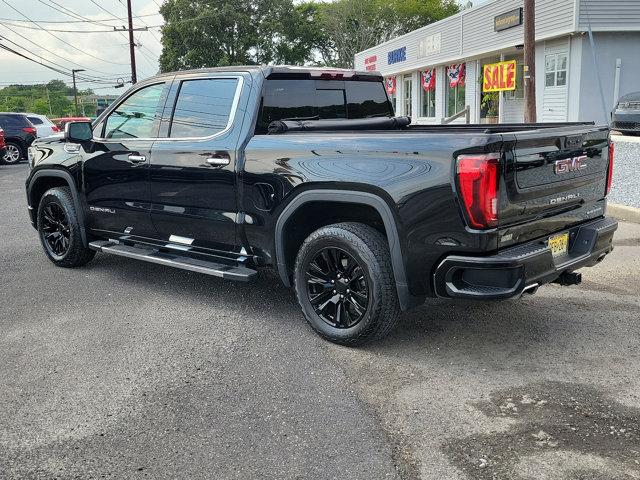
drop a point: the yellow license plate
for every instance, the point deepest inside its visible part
(559, 244)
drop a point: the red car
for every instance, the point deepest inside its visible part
(3, 147)
(62, 121)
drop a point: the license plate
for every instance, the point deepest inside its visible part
(559, 244)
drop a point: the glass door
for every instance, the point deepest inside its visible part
(407, 94)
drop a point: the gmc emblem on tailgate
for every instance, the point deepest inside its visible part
(569, 165)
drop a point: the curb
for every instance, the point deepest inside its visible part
(623, 212)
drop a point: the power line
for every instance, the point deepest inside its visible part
(47, 50)
(100, 20)
(58, 38)
(57, 70)
(70, 13)
(112, 30)
(143, 23)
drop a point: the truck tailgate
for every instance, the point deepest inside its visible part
(555, 169)
(553, 178)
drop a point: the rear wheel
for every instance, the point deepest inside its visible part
(345, 285)
(59, 229)
(13, 154)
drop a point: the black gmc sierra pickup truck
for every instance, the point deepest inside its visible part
(228, 170)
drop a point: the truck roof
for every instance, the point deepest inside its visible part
(287, 70)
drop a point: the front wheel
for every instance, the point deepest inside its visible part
(345, 284)
(59, 229)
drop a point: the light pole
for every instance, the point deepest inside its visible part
(75, 89)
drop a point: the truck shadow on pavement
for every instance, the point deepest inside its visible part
(430, 325)
(558, 430)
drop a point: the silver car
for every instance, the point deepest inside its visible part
(626, 116)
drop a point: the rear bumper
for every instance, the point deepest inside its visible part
(512, 271)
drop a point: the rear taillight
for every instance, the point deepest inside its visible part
(29, 130)
(609, 170)
(478, 179)
(55, 129)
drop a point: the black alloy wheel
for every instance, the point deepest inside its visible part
(60, 229)
(344, 282)
(337, 288)
(55, 232)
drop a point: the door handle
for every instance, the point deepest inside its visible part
(219, 160)
(137, 158)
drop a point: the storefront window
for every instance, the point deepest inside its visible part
(455, 99)
(518, 93)
(455, 91)
(428, 93)
(428, 103)
(555, 69)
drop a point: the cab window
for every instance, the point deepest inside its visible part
(322, 100)
(203, 107)
(138, 116)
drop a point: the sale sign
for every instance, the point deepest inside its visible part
(498, 77)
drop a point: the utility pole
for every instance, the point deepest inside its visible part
(132, 51)
(75, 89)
(530, 61)
(49, 100)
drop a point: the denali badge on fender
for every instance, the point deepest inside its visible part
(569, 165)
(102, 210)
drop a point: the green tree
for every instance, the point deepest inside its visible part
(351, 26)
(54, 98)
(209, 33)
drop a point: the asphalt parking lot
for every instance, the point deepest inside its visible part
(123, 369)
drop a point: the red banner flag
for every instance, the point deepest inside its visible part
(428, 80)
(391, 85)
(456, 74)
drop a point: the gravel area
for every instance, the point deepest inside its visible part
(626, 177)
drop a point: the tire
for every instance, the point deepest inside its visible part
(321, 290)
(59, 229)
(14, 153)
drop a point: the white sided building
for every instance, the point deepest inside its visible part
(573, 81)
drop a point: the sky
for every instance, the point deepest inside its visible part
(104, 55)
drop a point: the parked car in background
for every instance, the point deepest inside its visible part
(62, 121)
(19, 134)
(626, 116)
(44, 126)
(3, 148)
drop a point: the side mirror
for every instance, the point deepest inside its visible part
(78, 132)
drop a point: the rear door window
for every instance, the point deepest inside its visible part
(321, 100)
(203, 107)
(35, 120)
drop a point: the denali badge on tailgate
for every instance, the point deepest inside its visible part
(569, 165)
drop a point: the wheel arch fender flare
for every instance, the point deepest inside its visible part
(68, 178)
(355, 197)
